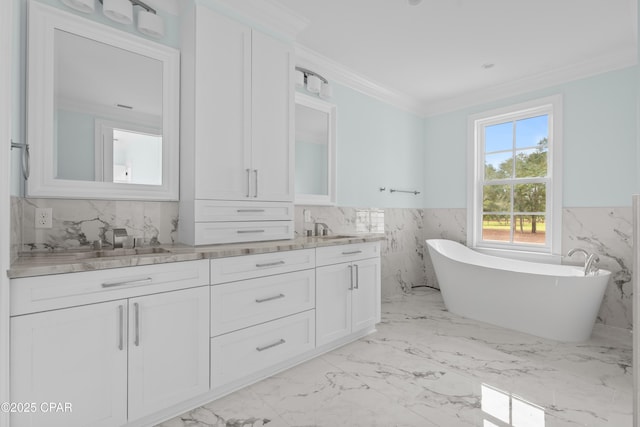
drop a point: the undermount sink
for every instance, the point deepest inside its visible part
(105, 253)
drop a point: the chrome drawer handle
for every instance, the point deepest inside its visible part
(121, 327)
(248, 182)
(136, 310)
(129, 282)
(249, 210)
(275, 344)
(270, 298)
(351, 252)
(270, 264)
(249, 231)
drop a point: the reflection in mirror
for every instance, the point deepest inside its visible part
(108, 112)
(315, 151)
(312, 132)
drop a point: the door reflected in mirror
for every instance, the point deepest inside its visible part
(108, 113)
(315, 151)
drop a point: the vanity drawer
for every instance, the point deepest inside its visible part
(34, 294)
(250, 266)
(242, 304)
(346, 253)
(226, 211)
(243, 353)
(208, 233)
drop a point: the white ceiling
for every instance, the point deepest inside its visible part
(432, 55)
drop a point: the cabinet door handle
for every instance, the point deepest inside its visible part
(351, 252)
(146, 281)
(121, 327)
(136, 312)
(260, 300)
(270, 264)
(249, 231)
(357, 276)
(249, 210)
(350, 277)
(275, 344)
(256, 187)
(248, 183)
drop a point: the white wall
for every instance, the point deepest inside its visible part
(600, 138)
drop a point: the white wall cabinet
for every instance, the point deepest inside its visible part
(237, 125)
(347, 293)
(115, 361)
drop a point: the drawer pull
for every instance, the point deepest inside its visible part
(270, 298)
(275, 344)
(129, 282)
(249, 210)
(351, 252)
(249, 231)
(121, 327)
(270, 264)
(136, 309)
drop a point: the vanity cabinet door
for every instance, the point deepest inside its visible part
(333, 302)
(168, 349)
(366, 294)
(76, 355)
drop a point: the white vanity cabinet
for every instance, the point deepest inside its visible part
(115, 361)
(347, 290)
(262, 313)
(236, 132)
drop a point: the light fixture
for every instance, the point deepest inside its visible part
(121, 11)
(118, 10)
(313, 82)
(414, 2)
(150, 23)
(85, 6)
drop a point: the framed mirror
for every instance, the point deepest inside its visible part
(315, 130)
(102, 111)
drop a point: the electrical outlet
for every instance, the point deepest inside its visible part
(44, 217)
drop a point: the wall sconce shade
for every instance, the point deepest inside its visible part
(325, 90)
(118, 10)
(85, 6)
(150, 24)
(313, 84)
(299, 79)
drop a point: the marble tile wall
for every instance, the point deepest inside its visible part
(16, 227)
(78, 223)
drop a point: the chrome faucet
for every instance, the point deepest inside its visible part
(325, 228)
(590, 261)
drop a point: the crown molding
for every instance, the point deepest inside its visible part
(337, 72)
(539, 81)
(268, 14)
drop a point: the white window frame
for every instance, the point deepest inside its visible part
(551, 250)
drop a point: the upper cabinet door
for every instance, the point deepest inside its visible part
(222, 107)
(272, 119)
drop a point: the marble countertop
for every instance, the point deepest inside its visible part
(30, 264)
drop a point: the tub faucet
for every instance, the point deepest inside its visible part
(590, 261)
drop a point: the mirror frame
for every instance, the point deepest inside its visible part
(330, 110)
(43, 22)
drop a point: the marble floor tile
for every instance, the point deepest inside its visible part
(427, 367)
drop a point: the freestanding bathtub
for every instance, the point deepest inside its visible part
(547, 300)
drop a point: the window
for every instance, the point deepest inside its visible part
(515, 178)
